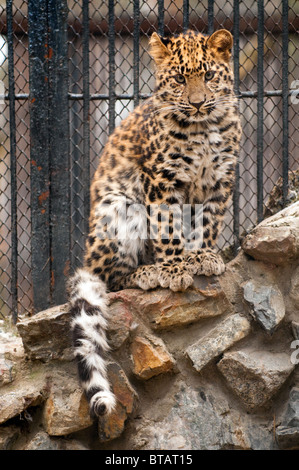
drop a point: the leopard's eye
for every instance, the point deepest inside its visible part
(180, 78)
(209, 75)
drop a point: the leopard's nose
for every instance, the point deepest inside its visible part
(197, 105)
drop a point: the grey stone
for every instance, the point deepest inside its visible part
(46, 335)
(222, 337)
(15, 398)
(11, 355)
(276, 239)
(287, 437)
(8, 435)
(295, 329)
(294, 289)
(255, 376)
(291, 417)
(266, 304)
(42, 441)
(201, 419)
(7, 371)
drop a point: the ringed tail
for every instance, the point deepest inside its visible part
(89, 321)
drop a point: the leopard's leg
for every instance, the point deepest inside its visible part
(116, 242)
(203, 259)
(168, 242)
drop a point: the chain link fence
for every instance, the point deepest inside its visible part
(106, 72)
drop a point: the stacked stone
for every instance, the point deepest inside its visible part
(202, 369)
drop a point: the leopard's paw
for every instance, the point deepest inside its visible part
(211, 264)
(205, 263)
(145, 277)
(176, 277)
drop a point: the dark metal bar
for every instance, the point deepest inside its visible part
(210, 16)
(58, 121)
(185, 15)
(285, 104)
(39, 153)
(136, 58)
(13, 164)
(260, 110)
(149, 24)
(17, 97)
(111, 36)
(236, 194)
(130, 96)
(265, 93)
(86, 131)
(161, 24)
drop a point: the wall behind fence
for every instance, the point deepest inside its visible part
(98, 69)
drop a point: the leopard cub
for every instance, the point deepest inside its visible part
(177, 149)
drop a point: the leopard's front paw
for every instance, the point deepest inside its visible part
(176, 277)
(145, 277)
(205, 263)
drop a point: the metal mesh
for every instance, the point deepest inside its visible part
(118, 76)
(23, 224)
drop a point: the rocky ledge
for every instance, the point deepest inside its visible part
(210, 368)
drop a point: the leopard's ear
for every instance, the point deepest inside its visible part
(221, 42)
(158, 49)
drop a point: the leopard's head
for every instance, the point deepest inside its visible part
(194, 78)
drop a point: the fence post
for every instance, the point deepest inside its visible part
(39, 153)
(59, 148)
(49, 150)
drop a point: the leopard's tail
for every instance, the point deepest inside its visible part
(89, 321)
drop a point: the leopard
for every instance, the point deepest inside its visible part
(179, 147)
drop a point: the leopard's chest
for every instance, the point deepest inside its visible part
(206, 152)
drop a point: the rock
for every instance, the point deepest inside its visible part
(46, 335)
(8, 435)
(14, 401)
(66, 409)
(276, 239)
(165, 309)
(294, 290)
(291, 417)
(255, 376)
(11, 355)
(7, 372)
(111, 426)
(73, 444)
(222, 337)
(295, 329)
(120, 322)
(287, 438)
(266, 304)
(150, 358)
(199, 419)
(42, 441)
(11, 346)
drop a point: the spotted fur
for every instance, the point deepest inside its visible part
(178, 147)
